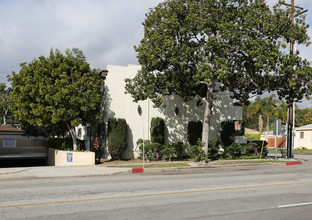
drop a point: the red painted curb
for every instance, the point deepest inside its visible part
(137, 170)
(293, 163)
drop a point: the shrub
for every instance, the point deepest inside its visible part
(151, 150)
(253, 136)
(258, 144)
(148, 151)
(194, 132)
(213, 149)
(250, 149)
(227, 133)
(63, 144)
(235, 150)
(180, 149)
(197, 153)
(158, 130)
(117, 137)
(168, 151)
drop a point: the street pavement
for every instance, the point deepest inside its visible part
(102, 170)
(266, 192)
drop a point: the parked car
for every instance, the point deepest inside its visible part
(259, 143)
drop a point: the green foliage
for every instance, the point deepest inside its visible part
(213, 149)
(63, 144)
(197, 153)
(194, 131)
(235, 150)
(117, 137)
(180, 150)
(300, 117)
(252, 136)
(227, 133)
(258, 144)
(308, 116)
(188, 44)
(262, 107)
(151, 150)
(158, 130)
(60, 89)
(250, 149)
(168, 152)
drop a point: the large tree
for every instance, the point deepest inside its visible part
(226, 44)
(60, 89)
(293, 75)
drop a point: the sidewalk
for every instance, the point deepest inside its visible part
(106, 169)
(64, 171)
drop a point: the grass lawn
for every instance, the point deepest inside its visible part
(302, 151)
(225, 162)
(217, 162)
(156, 165)
(296, 151)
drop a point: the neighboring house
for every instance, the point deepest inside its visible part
(177, 113)
(303, 137)
(13, 145)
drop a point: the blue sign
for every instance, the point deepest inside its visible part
(69, 157)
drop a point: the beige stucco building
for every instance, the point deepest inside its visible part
(176, 114)
(303, 137)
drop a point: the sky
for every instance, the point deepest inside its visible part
(105, 30)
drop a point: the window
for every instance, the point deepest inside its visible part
(79, 132)
(301, 135)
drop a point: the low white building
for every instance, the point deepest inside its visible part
(303, 137)
(177, 113)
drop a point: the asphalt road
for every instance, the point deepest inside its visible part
(269, 192)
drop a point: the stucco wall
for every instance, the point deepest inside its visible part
(121, 105)
(306, 141)
(23, 144)
(70, 158)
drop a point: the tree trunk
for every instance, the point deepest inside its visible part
(4, 116)
(72, 132)
(260, 123)
(207, 116)
(268, 124)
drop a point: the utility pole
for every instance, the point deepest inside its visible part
(290, 100)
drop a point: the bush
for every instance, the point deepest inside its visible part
(250, 149)
(151, 150)
(117, 137)
(235, 150)
(148, 151)
(168, 152)
(197, 153)
(63, 144)
(158, 130)
(242, 150)
(258, 144)
(227, 133)
(213, 149)
(253, 136)
(180, 149)
(194, 132)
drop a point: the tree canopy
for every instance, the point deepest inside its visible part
(187, 45)
(263, 107)
(60, 89)
(308, 116)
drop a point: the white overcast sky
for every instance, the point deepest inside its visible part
(105, 30)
